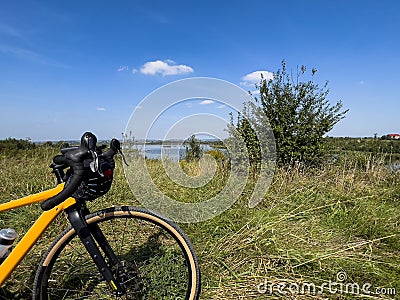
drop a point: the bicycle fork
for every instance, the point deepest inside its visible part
(89, 235)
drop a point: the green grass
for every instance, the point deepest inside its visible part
(311, 224)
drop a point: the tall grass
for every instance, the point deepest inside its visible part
(311, 225)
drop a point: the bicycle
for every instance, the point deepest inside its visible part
(115, 253)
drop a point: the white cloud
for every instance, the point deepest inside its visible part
(221, 106)
(206, 102)
(255, 77)
(100, 109)
(122, 68)
(134, 71)
(165, 68)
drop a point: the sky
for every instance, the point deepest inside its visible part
(71, 66)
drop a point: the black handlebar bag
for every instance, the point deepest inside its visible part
(97, 183)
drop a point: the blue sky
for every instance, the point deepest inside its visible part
(71, 66)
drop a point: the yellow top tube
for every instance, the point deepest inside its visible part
(31, 199)
(37, 229)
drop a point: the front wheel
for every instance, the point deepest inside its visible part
(157, 258)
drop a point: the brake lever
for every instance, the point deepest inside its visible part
(123, 157)
(94, 164)
(116, 145)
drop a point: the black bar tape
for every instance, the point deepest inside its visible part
(60, 160)
(109, 154)
(73, 183)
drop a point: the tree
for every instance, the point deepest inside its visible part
(299, 115)
(244, 130)
(193, 149)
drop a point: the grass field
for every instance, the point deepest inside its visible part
(337, 224)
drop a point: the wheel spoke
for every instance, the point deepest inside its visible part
(152, 264)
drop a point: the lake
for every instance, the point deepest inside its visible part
(174, 152)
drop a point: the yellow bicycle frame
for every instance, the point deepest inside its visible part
(33, 234)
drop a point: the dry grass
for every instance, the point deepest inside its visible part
(311, 225)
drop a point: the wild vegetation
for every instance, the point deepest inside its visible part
(193, 150)
(298, 114)
(312, 224)
(389, 148)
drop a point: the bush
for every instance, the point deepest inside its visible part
(216, 154)
(193, 149)
(14, 144)
(298, 113)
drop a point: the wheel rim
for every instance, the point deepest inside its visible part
(154, 266)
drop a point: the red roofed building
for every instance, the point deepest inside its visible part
(393, 136)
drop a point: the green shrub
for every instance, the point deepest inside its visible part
(298, 112)
(216, 154)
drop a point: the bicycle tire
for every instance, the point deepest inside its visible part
(67, 272)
